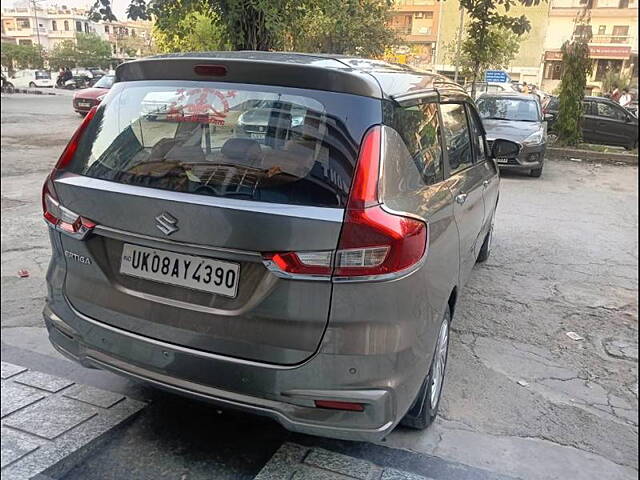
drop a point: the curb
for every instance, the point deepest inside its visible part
(29, 91)
(589, 156)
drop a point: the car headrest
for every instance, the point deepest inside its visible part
(247, 151)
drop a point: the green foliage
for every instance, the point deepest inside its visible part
(350, 27)
(18, 57)
(486, 19)
(615, 79)
(89, 51)
(502, 47)
(335, 26)
(576, 67)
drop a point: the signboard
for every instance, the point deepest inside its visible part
(553, 55)
(609, 52)
(498, 76)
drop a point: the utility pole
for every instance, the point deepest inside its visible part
(457, 61)
(35, 14)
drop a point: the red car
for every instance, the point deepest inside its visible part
(88, 97)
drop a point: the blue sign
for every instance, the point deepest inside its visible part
(499, 76)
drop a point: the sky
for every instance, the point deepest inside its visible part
(119, 7)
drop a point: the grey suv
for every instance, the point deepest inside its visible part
(308, 270)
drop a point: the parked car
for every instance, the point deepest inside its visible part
(517, 117)
(491, 87)
(312, 280)
(604, 122)
(31, 79)
(84, 100)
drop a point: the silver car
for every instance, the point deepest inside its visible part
(310, 274)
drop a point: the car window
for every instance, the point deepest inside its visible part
(506, 108)
(457, 137)
(587, 108)
(418, 125)
(479, 144)
(610, 111)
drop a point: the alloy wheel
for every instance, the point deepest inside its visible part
(439, 363)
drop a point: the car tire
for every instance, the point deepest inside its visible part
(424, 409)
(9, 85)
(535, 172)
(485, 250)
(32, 85)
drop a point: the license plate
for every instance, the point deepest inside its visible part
(502, 160)
(84, 104)
(198, 273)
(256, 135)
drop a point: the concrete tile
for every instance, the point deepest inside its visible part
(43, 381)
(51, 417)
(15, 446)
(283, 462)
(93, 396)
(393, 474)
(14, 397)
(336, 462)
(303, 472)
(9, 370)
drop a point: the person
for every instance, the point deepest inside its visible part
(60, 79)
(525, 88)
(615, 95)
(625, 99)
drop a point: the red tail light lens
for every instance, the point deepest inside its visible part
(335, 405)
(373, 241)
(55, 213)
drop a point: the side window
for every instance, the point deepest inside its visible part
(456, 136)
(418, 125)
(587, 108)
(609, 111)
(479, 144)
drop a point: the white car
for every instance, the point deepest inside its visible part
(491, 87)
(31, 79)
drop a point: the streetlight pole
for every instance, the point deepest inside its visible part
(460, 27)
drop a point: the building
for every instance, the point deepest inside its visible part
(526, 67)
(613, 44)
(46, 26)
(416, 22)
(128, 39)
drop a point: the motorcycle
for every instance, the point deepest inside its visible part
(73, 83)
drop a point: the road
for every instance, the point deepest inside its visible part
(521, 399)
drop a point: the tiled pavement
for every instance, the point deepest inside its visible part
(47, 421)
(296, 462)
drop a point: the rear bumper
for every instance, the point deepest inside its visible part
(530, 157)
(284, 394)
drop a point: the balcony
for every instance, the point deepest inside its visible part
(402, 30)
(619, 39)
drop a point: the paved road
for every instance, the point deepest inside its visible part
(565, 259)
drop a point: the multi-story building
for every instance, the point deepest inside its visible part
(612, 30)
(46, 26)
(525, 67)
(126, 37)
(416, 22)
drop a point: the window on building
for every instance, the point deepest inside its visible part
(66, 25)
(133, 32)
(106, 29)
(623, 4)
(602, 29)
(423, 15)
(78, 26)
(25, 41)
(583, 31)
(54, 25)
(620, 34)
(552, 70)
(23, 23)
(86, 27)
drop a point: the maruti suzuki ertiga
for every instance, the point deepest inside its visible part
(282, 233)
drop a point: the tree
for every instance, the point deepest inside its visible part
(576, 66)
(137, 46)
(615, 79)
(503, 46)
(88, 51)
(487, 19)
(335, 26)
(15, 56)
(349, 27)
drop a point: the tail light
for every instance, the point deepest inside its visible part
(373, 241)
(54, 212)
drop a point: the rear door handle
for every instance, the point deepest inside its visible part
(461, 198)
(485, 184)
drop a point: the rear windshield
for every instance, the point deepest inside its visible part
(41, 74)
(504, 108)
(251, 142)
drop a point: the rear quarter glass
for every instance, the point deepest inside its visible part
(251, 142)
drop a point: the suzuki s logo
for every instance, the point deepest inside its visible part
(166, 223)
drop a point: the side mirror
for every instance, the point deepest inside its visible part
(505, 148)
(548, 116)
